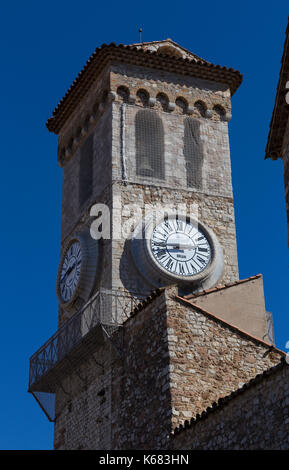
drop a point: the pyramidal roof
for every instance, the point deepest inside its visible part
(170, 48)
(163, 55)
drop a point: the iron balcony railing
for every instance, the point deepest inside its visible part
(107, 310)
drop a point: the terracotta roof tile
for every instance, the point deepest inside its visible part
(110, 53)
(145, 302)
(157, 292)
(169, 41)
(220, 287)
(230, 325)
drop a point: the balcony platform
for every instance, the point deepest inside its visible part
(99, 321)
(49, 381)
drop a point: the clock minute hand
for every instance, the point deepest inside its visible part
(181, 246)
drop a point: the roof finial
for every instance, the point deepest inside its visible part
(140, 34)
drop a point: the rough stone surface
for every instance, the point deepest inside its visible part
(176, 362)
(113, 176)
(83, 405)
(209, 359)
(100, 178)
(255, 419)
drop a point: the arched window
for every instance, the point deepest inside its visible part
(149, 142)
(86, 171)
(181, 105)
(193, 152)
(142, 97)
(200, 107)
(219, 112)
(123, 93)
(162, 102)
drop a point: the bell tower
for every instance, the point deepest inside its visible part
(147, 205)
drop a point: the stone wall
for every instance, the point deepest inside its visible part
(176, 362)
(111, 173)
(98, 172)
(83, 119)
(142, 381)
(83, 404)
(213, 139)
(111, 402)
(255, 418)
(215, 212)
(172, 85)
(210, 358)
(213, 202)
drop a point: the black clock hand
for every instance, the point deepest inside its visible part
(68, 272)
(181, 246)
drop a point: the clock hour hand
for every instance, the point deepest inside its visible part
(68, 272)
(181, 246)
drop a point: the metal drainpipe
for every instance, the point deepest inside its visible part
(122, 142)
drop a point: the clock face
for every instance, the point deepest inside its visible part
(176, 249)
(70, 271)
(180, 247)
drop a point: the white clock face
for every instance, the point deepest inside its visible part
(180, 247)
(70, 271)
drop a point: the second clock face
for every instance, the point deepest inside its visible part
(70, 271)
(180, 247)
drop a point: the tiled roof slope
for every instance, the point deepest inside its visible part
(281, 108)
(230, 325)
(153, 45)
(188, 302)
(221, 287)
(132, 54)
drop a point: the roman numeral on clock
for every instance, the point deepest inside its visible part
(202, 260)
(169, 264)
(161, 254)
(181, 269)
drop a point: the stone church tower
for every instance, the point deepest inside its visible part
(154, 323)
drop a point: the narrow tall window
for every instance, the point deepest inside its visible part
(193, 152)
(86, 171)
(149, 141)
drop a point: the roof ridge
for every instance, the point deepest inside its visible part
(222, 286)
(145, 302)
(157, 292)
(172, 42)
(231, 325)
(223, 401)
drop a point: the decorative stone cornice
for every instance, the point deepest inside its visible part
(112, 53)
(176, 104)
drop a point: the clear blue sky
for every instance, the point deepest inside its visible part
(44, 46)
